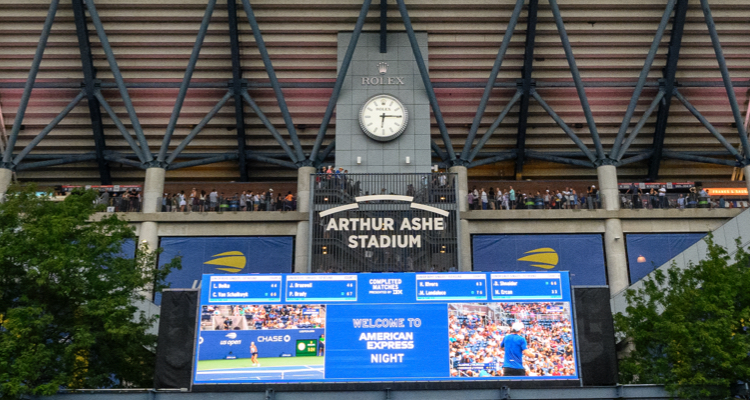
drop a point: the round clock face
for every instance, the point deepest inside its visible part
(383, 117)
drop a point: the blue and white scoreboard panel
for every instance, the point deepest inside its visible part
(389, 326)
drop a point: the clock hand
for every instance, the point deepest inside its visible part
(382, 119)
(396, 116)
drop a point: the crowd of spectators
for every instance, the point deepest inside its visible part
(509, 199)
(258, 317)
(214, 201)
(475, 338)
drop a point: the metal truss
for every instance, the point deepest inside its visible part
(293, 156)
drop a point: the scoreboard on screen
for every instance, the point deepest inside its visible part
(392, 326)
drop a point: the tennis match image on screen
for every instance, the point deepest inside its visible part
(511, 340)
(252, 342)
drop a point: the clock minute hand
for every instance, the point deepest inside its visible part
(382, 119)
(395, 116)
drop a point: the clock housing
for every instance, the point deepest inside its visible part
(383, 117)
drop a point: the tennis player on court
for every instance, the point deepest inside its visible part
(254, 355)
(515, 348)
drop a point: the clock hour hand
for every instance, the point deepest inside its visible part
(395, 116)
(382, 119)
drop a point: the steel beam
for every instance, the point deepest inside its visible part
(198, 128)
(274, 81)
(636, 158)
(577, 79)
(561, 160)
(491, 160)
(709, 126)
(237, 86)
(642, 79)
(204, 161)
(270, 160)
(29, 85)
(725, 76)
(269, 126)
(564, 126)
(496, 70)
(197, 45)
(326, 152)
(634, 133)
(426, 80)
(436, 149)
(123, 160)
(49, 127)
(123, 131)
(340, 79)
(118, 79)
(383, 26)
(667, 85)
(494, 125)
(57, 161)
(526, 82)
(89, 79)
(700, 159)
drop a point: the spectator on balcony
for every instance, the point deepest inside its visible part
(681, 202)
(193, 200)
(470, 200)
(512, 197)
(270, 202)
(635, 193)
(663, 196)
(202, 201)
(484, 199)
(491, 198)
(213, 200)
(243, 201)
(547, 198)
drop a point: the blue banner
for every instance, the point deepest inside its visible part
(580, 254)
(646, 252)
(224, 255)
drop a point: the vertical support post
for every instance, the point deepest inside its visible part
(528, 68)
(302, 242)
(5, 178)
(614, 242)
(186, 79)
(725, 75)
(30, 81)
(464, 240)
(425, 74)
(153, 190)
(746, 170)
(89, 78)
(493, 76)
(670, 71)
(383, 26)
(148, 241)
(577, 79)
(239, 114)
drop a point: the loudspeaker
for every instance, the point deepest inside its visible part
(596, 336)
(175, 345)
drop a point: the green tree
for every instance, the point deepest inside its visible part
(68, 314)
(690, 327)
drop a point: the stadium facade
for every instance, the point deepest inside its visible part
(155, 93)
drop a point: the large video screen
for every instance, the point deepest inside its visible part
(393, 327)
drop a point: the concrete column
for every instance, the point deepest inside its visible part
(614, 240)
(5, 178)
(464, 239)
(302, 242)
(462, 186)
(148, 236)
(464, 246)
(153, 190)
(614, 247)
(608, 190)
(746, 170)
(303, 188)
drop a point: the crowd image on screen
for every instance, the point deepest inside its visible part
(476, 331)
(263, 316)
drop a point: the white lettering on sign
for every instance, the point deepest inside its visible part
(385, 224)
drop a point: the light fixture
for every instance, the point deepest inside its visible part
(408, 160)
(144, 241)
(325, 247)
(359, 160)
(325, 198)
(641, 259)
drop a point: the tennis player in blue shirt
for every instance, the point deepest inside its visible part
(515, 348)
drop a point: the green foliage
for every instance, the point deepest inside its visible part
(690, 328)
(68, 317)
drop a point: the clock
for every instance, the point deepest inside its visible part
(383, 117)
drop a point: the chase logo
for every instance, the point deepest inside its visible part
(232, 261)
(543, 258)
(231, 335)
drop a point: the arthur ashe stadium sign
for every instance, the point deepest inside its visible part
(386, 232)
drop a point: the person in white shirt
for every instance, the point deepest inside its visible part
(663, 197)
